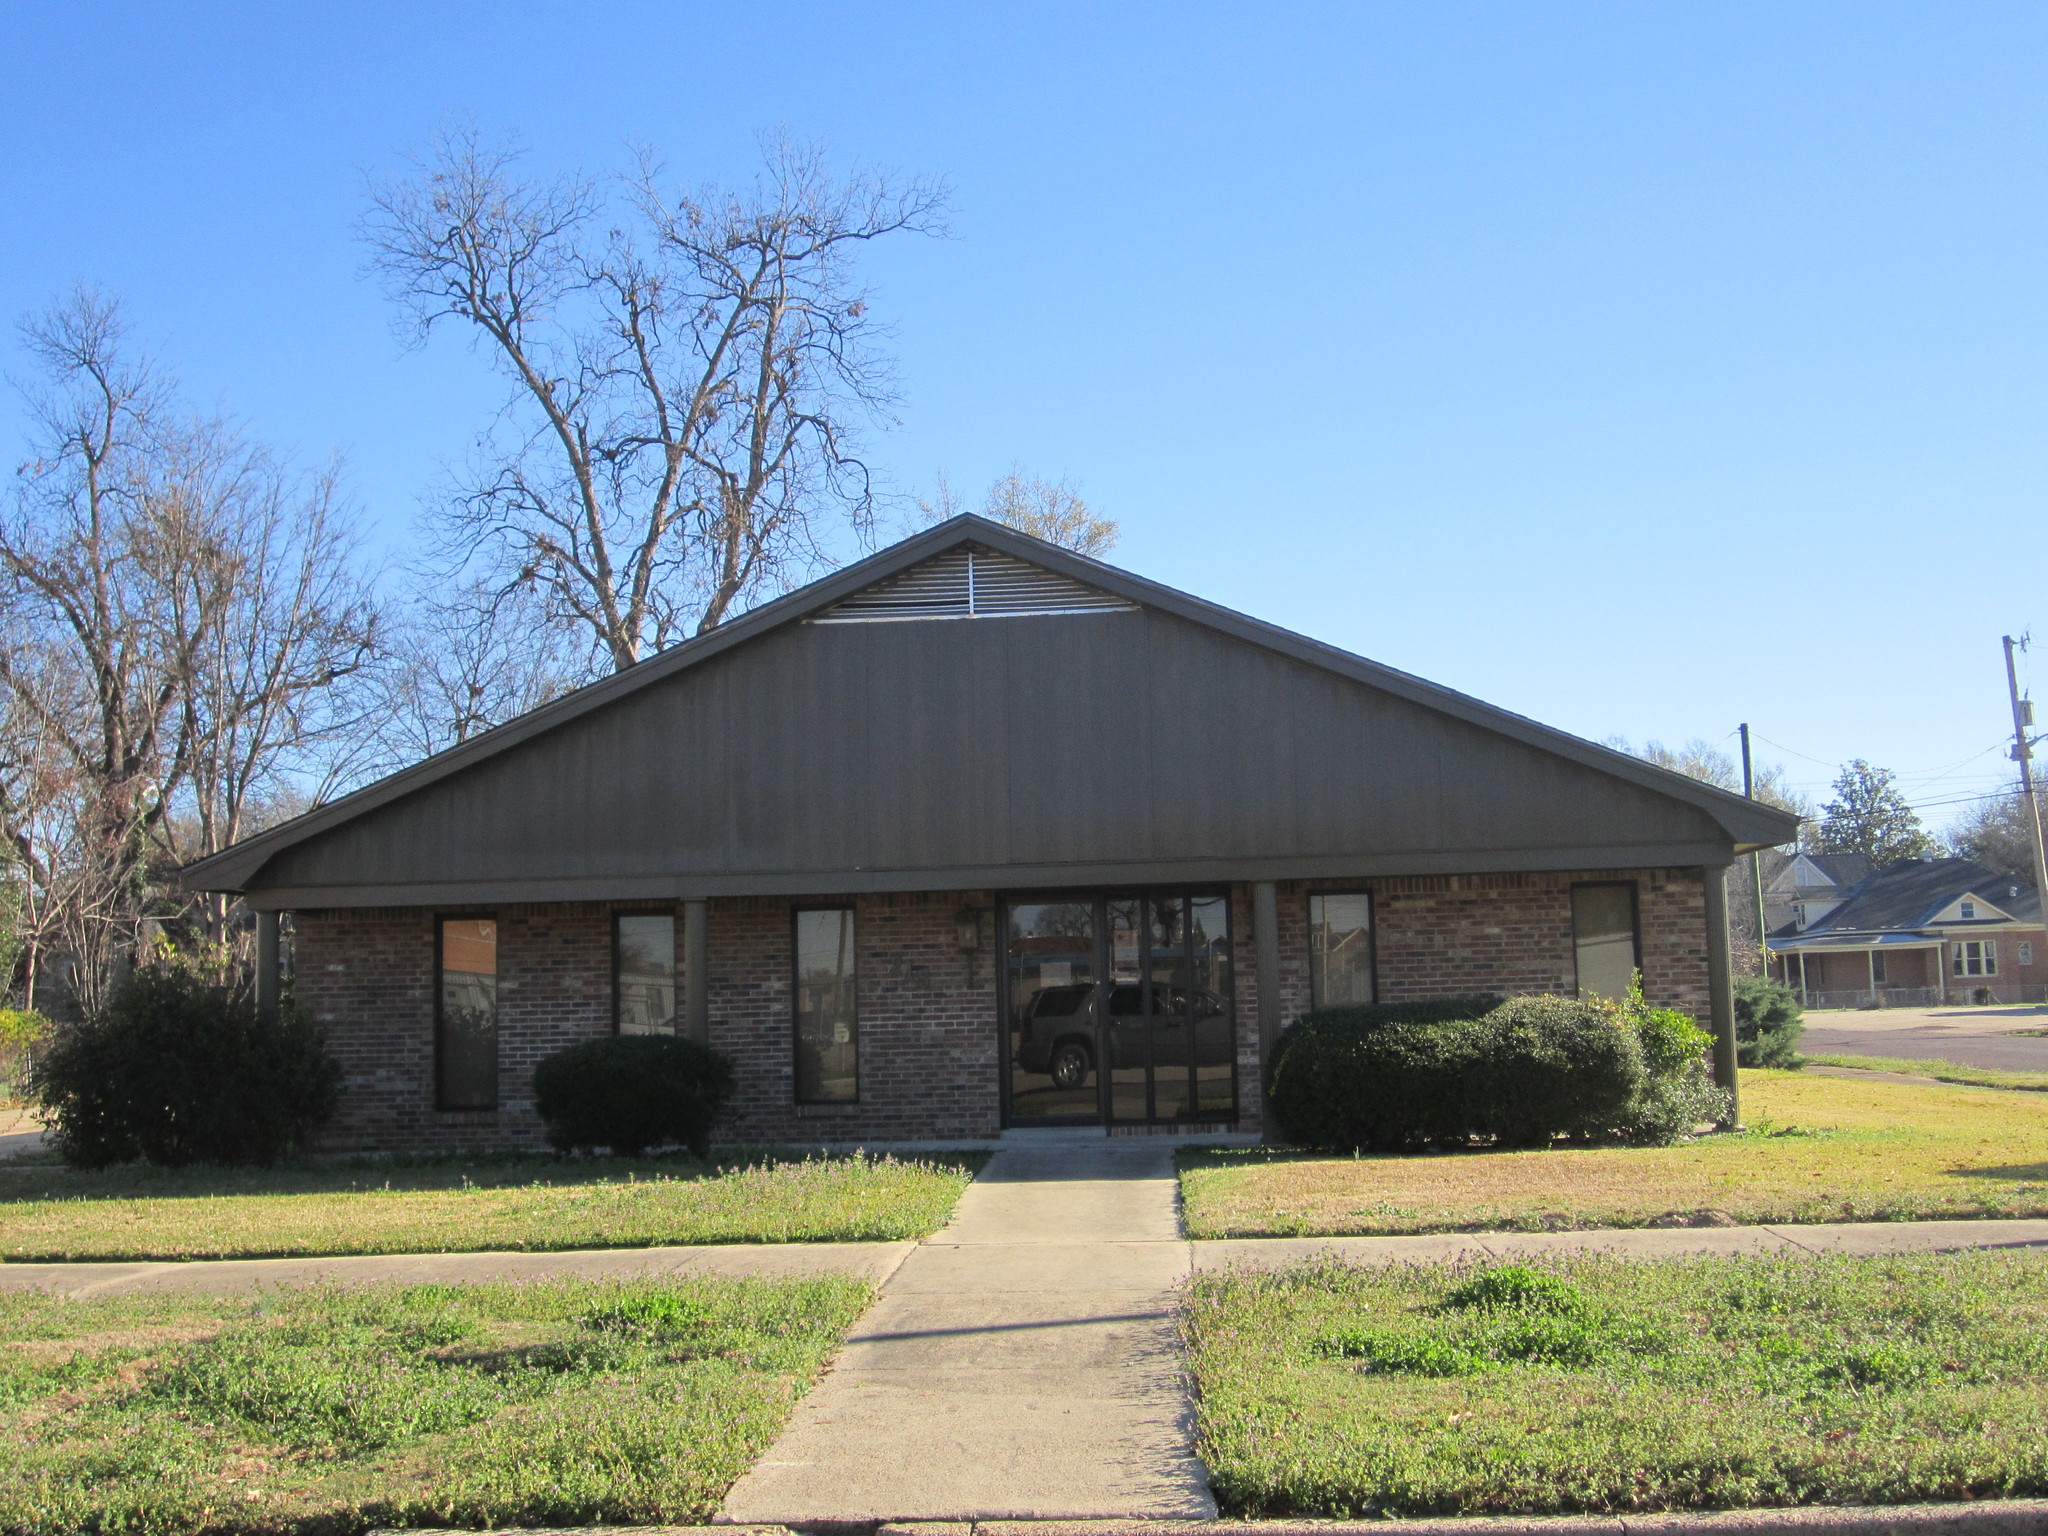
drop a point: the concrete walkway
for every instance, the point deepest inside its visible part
(1021, 1364)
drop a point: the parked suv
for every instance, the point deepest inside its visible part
(1058, 1032)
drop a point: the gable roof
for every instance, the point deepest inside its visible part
(1837, 871)
(1913, 893)
(1746, 824)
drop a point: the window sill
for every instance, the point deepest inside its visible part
(827, 1111)
(466, 1116)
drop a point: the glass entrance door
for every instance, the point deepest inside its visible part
(1118, 1008)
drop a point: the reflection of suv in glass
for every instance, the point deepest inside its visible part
(1056, 1034)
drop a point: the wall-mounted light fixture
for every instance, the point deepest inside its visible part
(968, 931)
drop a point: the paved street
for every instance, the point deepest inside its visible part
(1977, 1037)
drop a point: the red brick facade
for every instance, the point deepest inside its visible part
(929, 1040)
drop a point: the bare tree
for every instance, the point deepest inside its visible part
(179, 611)
(1046, 509)
(274, 709)
(104, 557)
(687, 374)
(461, 665)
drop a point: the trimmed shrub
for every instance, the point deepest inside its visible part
(1559, 1065)
(1529, 1069)
(176, 1070)
(1678, 1093)
(1767, 1023)
(1388, 1088)
(631, 1092)
(1363, 1018)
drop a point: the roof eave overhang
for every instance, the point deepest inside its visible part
(1006, 877)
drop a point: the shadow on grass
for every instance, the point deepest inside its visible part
(403, 1172)
(2019, 1173)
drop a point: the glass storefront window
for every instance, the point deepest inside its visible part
(1604, 938)
(466, 1020)
(827, 1028)
(1340, 968)
(644, 973)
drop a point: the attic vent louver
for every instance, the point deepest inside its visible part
(970, 583)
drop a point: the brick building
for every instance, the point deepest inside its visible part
(975, 834)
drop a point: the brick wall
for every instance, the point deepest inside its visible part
(930, 1057)
(927, 1019)
(1449, 935)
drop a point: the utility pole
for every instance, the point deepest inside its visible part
(2023, 754)
(1756, 867)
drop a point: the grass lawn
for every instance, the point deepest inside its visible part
(1817, 1149)
(468, 1205)
(330, 1410)
(1606, 1385)
(1936, 1067)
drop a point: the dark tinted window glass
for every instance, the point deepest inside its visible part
(644, 981)
(1339, 948)
(466, 1032)
(1604, 938)
(827, 1045)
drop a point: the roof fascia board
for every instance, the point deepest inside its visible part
(1002, 877)
(1748, 823)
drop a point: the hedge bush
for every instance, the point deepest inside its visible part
(178, 1070)
(1767, 1023)
(627, 1093)
(1357, 1019)
(1525, 1071)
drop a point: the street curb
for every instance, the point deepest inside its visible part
(1987, 1517)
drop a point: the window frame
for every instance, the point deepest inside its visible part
(675, 964)
(1372, 941)
(2026, 952)
(796, 915)
(1986, 958)
(1635, 926)
(441, 922)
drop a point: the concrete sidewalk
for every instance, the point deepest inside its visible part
(1021, 1364)
(873, 1262)
(877, 1262)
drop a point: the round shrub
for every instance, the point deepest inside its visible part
(1559, 1065)
(177, 1070)
(631, 1092)
(1767, 1023)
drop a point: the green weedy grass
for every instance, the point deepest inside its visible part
(1604, 1385)
(469, 1205)
(328, 1410)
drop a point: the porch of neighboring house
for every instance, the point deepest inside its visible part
(1896, 971)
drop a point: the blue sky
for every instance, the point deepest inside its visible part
(1641, 367)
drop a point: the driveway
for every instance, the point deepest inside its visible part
(19, 1132)
(1976, 1037)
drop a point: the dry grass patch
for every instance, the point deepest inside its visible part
(457, 1205)
(1817, 1150)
